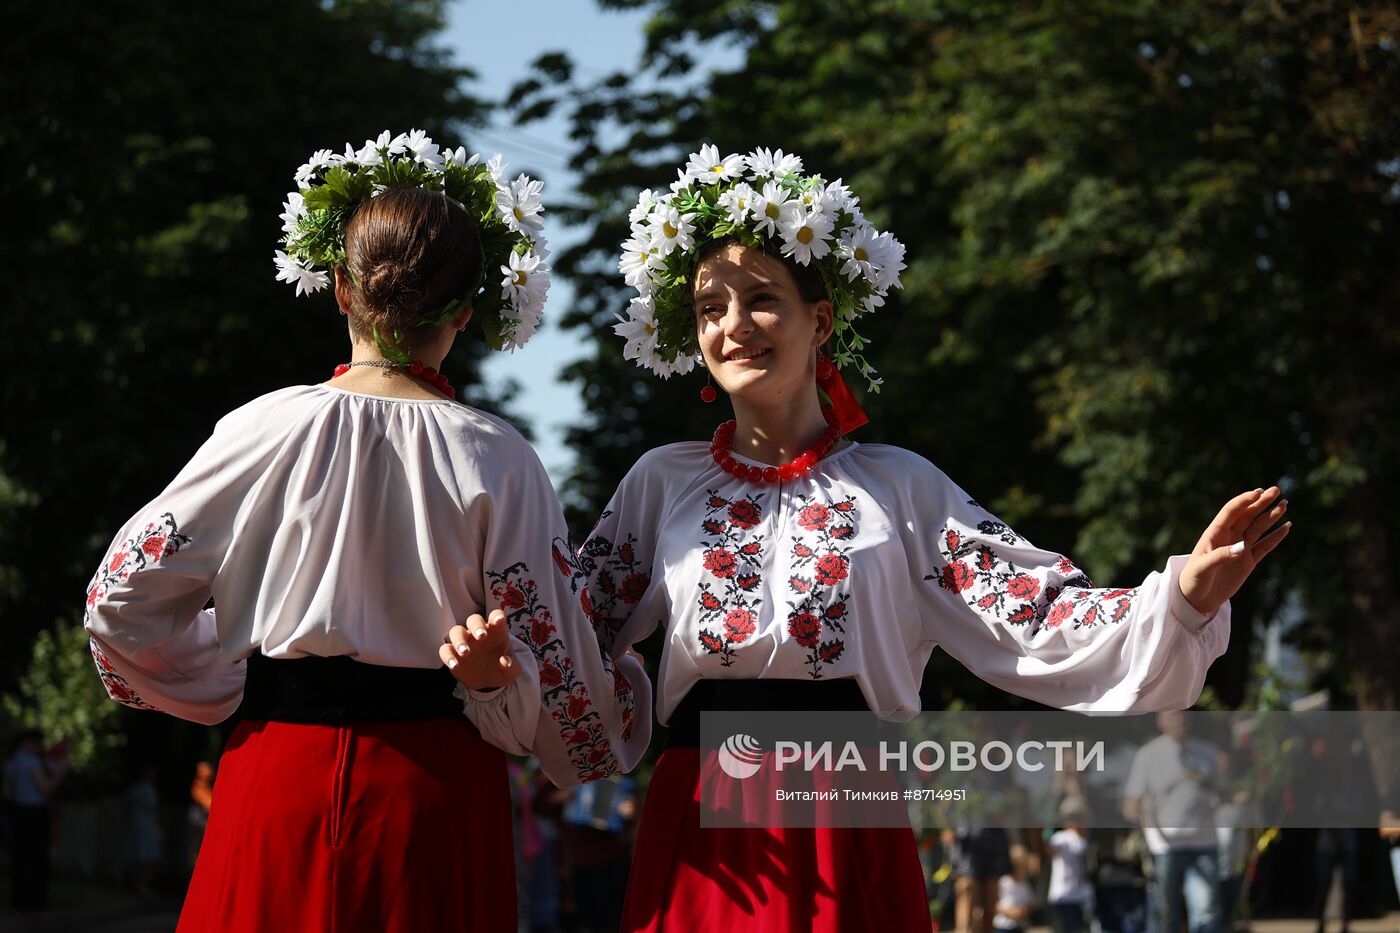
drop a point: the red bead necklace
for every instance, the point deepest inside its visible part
(797, 466)
(429, 375)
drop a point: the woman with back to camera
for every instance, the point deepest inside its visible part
(793, 569)
(342, 528)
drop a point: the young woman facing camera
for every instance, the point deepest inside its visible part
(794, 569)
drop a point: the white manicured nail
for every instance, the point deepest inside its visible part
(451, 663)
(461, 649)
(479, 634)
(1237, 547)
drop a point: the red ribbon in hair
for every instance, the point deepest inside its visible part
(842, 409)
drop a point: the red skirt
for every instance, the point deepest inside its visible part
(686, 878)
(374, 827)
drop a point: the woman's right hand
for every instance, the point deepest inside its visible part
(479, 654)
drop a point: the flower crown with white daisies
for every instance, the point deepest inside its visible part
(507, 216)
(760, 200)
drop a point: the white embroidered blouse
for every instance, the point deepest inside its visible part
(325, 523)
(860, 570)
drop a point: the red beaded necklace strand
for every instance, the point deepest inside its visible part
(797, 466)
(426, 373)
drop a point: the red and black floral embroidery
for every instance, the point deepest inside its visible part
(821, 560)
(117, 687)
(610, 578)
(144, 550)
(995, 586)
(730, 604)
(562, 692)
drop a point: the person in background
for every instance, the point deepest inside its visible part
(1071, 894)
(30, 780)
(1172, 792)
(1015, 899)
(201, 799)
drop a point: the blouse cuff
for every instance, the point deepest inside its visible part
(1180, 607)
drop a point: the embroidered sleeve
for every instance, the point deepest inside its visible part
(1030, 621)
(584, 712)
(153, 641)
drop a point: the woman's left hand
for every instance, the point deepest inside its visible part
(479, 653)
(1233, 545)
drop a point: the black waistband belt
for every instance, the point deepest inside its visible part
(683, 731)
(343, 690)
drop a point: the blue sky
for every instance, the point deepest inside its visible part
(500, 40)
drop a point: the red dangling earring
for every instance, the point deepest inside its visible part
(825, 368)
(707, 391)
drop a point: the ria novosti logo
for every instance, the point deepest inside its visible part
(740, 756)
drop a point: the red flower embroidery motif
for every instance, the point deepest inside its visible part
(799, 584)
(749, 582)
(832, 650)
(721, 563)
(1059, 613)
(709, 601)
(1065, 565)
(561, 563)
(540, 631)
(952, 539)
(606, 583)
(711, 642)
(579, 737)
(1023, 614)
(988, 601)
(843, 532)
(717, 503)
(1117, 594)
(836, 611)
(586, 602)
(1090, 616)
(634, 587)
(752, 549)
(739, 625)
(550, 675)
(802, 550)
(986, 560)
(154, 546)
(744, 514)
(626, 554)
(597, 755)
(93, 596)
(578, 705)
(511, 598)
(813, 517)
(805, 629)
(831, 569)
(118, 559)
(712, 527)
(1023, 587)
(957, 576)
(847, 506)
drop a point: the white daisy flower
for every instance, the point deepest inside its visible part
(861, 249)
(645, 202)
(659, 365)
(638, 329)
(708, 168)
(459, 156)
(891, 262)
(423, 149)
(639, 258)
(872, 303)
(520, 204)
(319, 160)
(807, 235)
(836, 197)
(293, 210)
(681, 183)
(766, 164)
(525, 281)
(772, 208)
(371, 153)
(670, 229)
(292, 272)
(496, 165)
(738, 201)
(398, 144)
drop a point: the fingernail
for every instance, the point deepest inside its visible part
(451, 663)
(1237, 547)
(461, 649)
(479, 634)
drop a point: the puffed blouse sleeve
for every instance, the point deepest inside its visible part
(580, 705)
(1030, 622)
(154, 642)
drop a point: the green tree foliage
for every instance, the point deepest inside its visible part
(145, 150)
(61, 697)
(1152, 263)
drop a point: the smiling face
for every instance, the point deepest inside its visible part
(757, 332)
